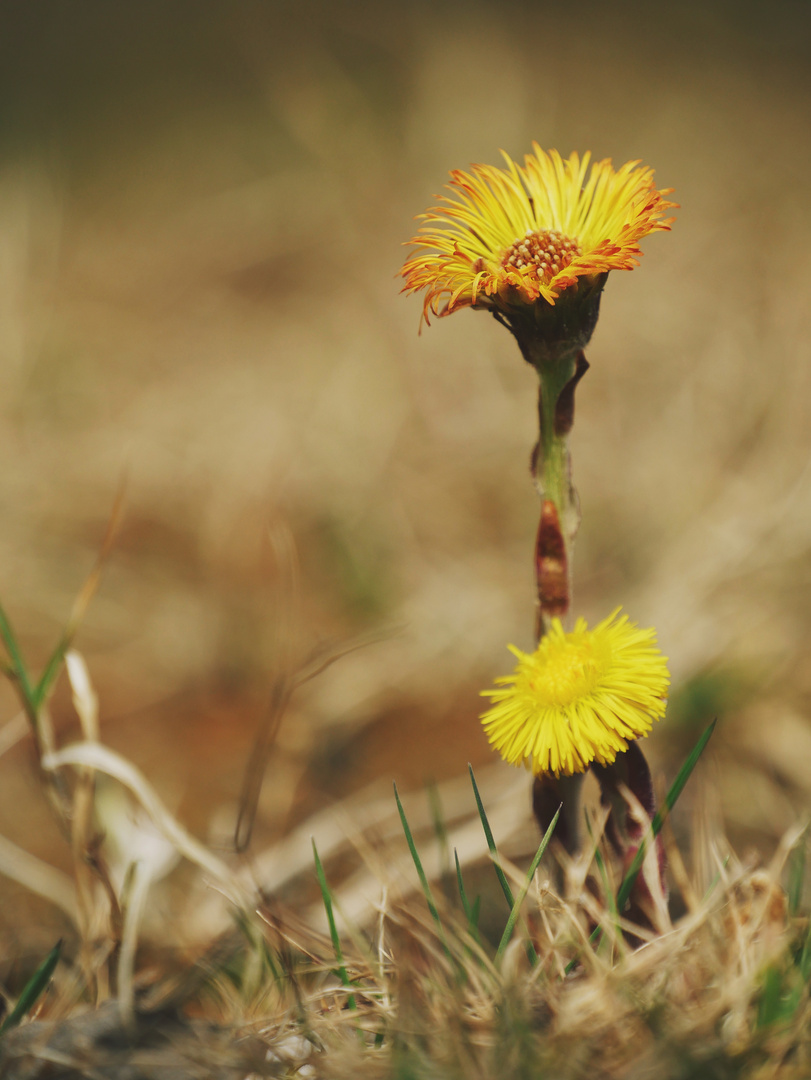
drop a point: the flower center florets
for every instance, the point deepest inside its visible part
(568, 671)
(547, 252)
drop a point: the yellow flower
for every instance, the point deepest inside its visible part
(579, 697)
(530, 232)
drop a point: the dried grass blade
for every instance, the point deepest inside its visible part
(39, 877)
(95, 756)
(607, 890)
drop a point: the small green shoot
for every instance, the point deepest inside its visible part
(804, 962)
(441, 833)
(333, 929)
(426, 888)
(660, 816)
(17, 669)
(33, 989)
(779, 998)
(796, 875)
(716, 880)
(471, 913)
(516, 909)
(491, 845)
(34, 696)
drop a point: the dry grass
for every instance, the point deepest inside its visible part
(413, 987)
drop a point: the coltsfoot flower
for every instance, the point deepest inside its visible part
(580, 697)
(514, 235)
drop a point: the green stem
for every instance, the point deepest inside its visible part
(560, 511)
(552, 462)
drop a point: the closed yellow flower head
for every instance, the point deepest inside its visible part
(580, 697)
(530, 232)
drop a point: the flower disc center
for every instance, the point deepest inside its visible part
(547, 252)
(570, 672)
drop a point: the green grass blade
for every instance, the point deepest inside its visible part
(471, 913)
(333, 929)
(609, 896)
(438, 819)
(804, 962)
(769, 1003)
(475, 911)
(412, 847)
(491, 844)
(461, 886)
(660, 816)
(19, 669)
(52, 669)
(716, 878)
(796, 876)
(778, 1001)
(516, 909)
(33, 989)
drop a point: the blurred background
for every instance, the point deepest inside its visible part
(202, 207)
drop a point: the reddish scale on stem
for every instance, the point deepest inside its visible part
(551, 570)
(548, 251)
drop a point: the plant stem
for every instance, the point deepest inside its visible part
(551, 468)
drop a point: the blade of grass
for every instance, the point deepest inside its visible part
(805, 957)
(412, 847)
(461, 886)
(513, 919)
(796, 876)
(441, 832)
(33, 989)
(475, 911)
(471, 913)
(37, 717)
(659, 817)
(713, 885)
(491, 845)
(333, 929)
(52, 669)
(778, 1001)
(18, 669)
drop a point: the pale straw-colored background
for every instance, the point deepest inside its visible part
(201, 213)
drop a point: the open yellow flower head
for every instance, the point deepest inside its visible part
(523, 233)
(580, 697)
